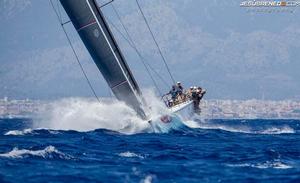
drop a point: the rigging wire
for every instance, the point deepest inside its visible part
(135, 49)
(73, 49)
(153, 37)
(58, 9)
(131, 43)
(158, 75)
(122, 23)
(115, 27)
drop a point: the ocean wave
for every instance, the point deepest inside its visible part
(20, 132)
(148, 179)
(48, 152)
(53, 132)
(273, 130)
(129, 154)
(276, 130)
(265, 165)
(29, 131)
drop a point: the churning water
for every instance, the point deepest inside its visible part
(83, 141)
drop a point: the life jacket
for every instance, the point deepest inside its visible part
(179, 89)
(194, 95)
(173, 93)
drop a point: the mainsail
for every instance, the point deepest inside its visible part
(92, 28)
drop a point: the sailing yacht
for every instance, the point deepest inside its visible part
(90, 23)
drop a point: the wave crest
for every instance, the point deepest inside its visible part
(265, 165)
(30, 131)
(129, 154)
(20, 132)
(48, 152)
(242, 128)
(276, 130)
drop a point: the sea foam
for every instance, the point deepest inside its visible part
(85, 115)
(243, 128)
(48, 152)
(129, 154)
(278, 130)
(20, 132)
(264, 165)
(148, 179)
(29, 131)
(82, 114)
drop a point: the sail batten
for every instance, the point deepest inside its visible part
(93, 30)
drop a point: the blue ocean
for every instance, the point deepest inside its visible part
(207, 151)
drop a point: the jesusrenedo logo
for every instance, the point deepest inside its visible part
(269, 6)
(270, 3)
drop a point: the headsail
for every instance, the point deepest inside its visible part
(91, 26)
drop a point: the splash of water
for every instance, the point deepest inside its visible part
(82, 114)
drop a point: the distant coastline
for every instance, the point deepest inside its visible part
(211, 109)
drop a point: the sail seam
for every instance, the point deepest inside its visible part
(119, 84)
(87, 1)
(131, 43)
(87, 25)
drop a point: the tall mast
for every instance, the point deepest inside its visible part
(94, 31)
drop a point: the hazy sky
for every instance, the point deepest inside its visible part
(233, 53)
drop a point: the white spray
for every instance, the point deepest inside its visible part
(82, 114)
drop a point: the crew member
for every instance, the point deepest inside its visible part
(189, 92)
(179, 88)
(180, 93)
(198, 95)
(195, 99)
(173, 92)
